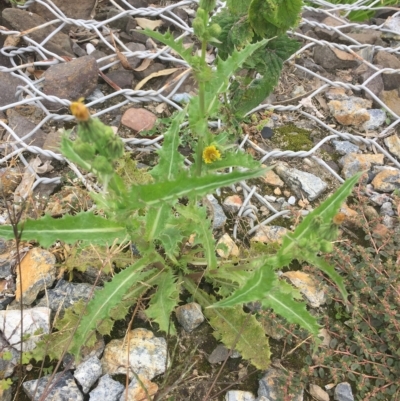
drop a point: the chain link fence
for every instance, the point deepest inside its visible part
(30, 91)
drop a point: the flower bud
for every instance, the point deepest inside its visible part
(114, 147)
(207, 5)
(326, 246)
(102, 165)
(84, 150)
(198, 27)
(214, 30)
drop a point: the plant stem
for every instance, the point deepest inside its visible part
(203, 118)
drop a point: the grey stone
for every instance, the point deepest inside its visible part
(88, 372)
(345, 147)
(35, 320)
(379, 199)
(377, 117)
(6, 395)
(220, 353)
(8, 87)
(375, 85)
(238, 395)
(65, 294)
(327, 59)
(301, 182)
(62, 388)
(387, 209)
(217, 213)
(352, 163)
(107, 389)
(189, 316)
(120, 22)
(135, 47)
(78, 50)
(343, 392)
(292, 200)
(72, 80)
(232, 204)
(387, 60)
(76, 9)
(7, 365)
(123, 79)
(22, 20)
(98, 54)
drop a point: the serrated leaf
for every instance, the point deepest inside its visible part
(164, 301)
(85, 227)
(100, 306)
(170, 239)
(292, 310)
(240, 34)
(237, 6)
(233, 159)
(235, 328)
(156, 219)
(156, 194)
(201, 226)
(171, 161)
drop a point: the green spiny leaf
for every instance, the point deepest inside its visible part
(84, 226)
(235, 328)
(170, 239)
(233, 159)
(156, 219)
(171, 161)
(237, 6)
(164, 301)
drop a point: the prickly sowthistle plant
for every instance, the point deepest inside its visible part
(152, 217)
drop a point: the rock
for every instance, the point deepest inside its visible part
(375, 85)
(318, 393)
(268, 234)
(328, 59)
(107, 389)
(38, 272)
(352, 163)
(6, 395)
(35, 320)
(350, 215)
(387, 209)
(69, 199)
(292, 200)
(151, 69)
(217, 213)
(123, 79)
(135, 61)
(98, 54)
(75, 9)
(221, 353)
(343, 392)
(23, 126)
(136, 392)
(379, 199)
(325, 336)
(63, 387)
(147, 355)
(65, 294)
(119, 22)
(232, 248)
(328, 34)
(393, 144)
(72, 80)
(387, 60)
(237, 395)
(350, 111)
(363, 36)
(7, 365)
(138, 119)
(21, 20)
(8, 87)
(87, 373)
(232, 204)
(391, 99)
(10, 178)
(271, 178)
(301, 182)
(345, 147)
(377, 117)
(387, 180)
(308, 287)
(7, 291)
(270, 386)
(189, 316)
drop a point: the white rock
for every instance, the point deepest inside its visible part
(232, 248)
(88, 372)
(237, 395)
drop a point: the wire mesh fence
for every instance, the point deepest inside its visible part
(34, 54)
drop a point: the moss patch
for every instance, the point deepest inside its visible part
(290, 137)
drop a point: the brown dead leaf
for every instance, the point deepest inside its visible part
(12, 40)
(38, 74)
(148, 23)
(167, 71)
(121, 57)
(342, 55)
(145, 64)
(109, 81)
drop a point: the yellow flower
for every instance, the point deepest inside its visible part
(79, 110)
(211, 154)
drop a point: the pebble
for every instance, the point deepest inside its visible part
(38, 272)
(393, 144)
(107, 389)
(10, 178)
(268, 234)
(63, 387)
(218, 216)
(237, 395)
(343, 392)
(139, 390)
(387, 60)
(353, 163)
(387, 209)
(72, 80)
(189, 316)
(135, 61)
(379, 199)
(35, 320)
(318, 393)
(387, 180)
(345, 147)
(350, 111)
(391, 100)
(308, 286)
(301, 182)
(377, 117)
(232, 204)
(273, 179)
(122, 78)
(76, 9)
(232, 248)
(8, 87)
(138, 119)
(147, 355)
(292, 200)
(88, 372)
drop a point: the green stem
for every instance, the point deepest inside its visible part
(202, 90)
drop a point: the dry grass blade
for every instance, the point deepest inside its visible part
(121, 57)
(167, 71)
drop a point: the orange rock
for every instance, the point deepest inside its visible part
(138, 119)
